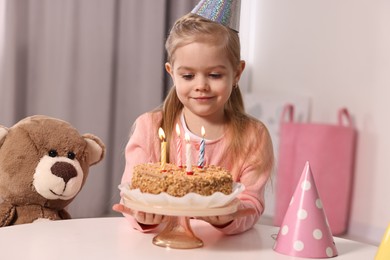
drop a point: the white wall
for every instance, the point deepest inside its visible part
(337, 52)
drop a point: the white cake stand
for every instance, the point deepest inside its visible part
(177, 232)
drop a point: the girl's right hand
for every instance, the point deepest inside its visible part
(140, 216)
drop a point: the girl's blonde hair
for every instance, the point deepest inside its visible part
(194, 28)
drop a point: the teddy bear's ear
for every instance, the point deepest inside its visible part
(96, 148)
(3, 134)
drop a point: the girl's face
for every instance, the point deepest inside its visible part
(204, 79)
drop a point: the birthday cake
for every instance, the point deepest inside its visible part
(175, 181)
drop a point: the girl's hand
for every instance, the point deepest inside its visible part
(225, 220)
(141, 217)
(218, 221)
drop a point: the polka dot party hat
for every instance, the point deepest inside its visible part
(383, 252)
(305, 231)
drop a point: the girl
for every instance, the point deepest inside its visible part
(205, 66)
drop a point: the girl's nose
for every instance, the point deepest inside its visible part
(202, 85)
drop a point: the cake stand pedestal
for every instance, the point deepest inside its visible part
(177, 232)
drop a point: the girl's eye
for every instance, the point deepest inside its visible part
(71, 155)
(188, 76)
(53, 153)
(215, 75)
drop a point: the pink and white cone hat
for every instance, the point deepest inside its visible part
(305, 231)
(225, 12)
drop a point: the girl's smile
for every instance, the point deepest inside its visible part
(203, 98)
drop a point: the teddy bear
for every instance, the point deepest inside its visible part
(44, 163)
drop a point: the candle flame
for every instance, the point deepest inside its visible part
(161, 134)
(187, 137)
(178, 130)
(203, 131)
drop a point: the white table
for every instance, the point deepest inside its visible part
(112, 238)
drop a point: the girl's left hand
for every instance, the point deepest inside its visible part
(224, 220)
(218, 221)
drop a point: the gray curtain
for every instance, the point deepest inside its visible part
(97, 64)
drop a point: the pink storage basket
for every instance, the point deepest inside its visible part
(330, 150)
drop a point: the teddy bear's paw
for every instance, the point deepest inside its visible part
(39, 220)
(7, 214)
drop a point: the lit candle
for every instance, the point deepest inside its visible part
(188, 154)
(178, 146)
(161, 134)
(201, 149)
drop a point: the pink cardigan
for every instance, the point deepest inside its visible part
(144, 146)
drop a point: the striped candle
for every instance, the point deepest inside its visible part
(201, 149)
(178, 146)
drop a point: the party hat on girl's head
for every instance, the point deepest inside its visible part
(383, 252)
(226, 12)
(305, 231)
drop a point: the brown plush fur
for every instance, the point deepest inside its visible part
(26, 158)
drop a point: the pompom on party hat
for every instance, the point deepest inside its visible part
(305, 231)
(383, 252)
(225, 12)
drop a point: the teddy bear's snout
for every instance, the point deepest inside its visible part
(64, 170)
(58, 177)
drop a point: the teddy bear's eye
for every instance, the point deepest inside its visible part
(71, 155)
(53, 153)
